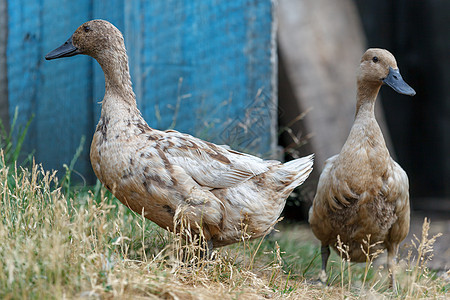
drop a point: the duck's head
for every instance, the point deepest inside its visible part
(93, 38)
(378, 66)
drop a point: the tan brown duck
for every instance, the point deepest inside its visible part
(165, 172)
(362, 190)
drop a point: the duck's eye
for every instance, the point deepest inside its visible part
(375, 59)
(86, 28)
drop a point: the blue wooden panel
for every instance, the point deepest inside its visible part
(222, 53)
(23, 62)
(58, 93)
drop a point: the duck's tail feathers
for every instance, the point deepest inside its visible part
(301, 168)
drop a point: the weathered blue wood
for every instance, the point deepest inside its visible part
(4, 107)
(222, 52)
(23, 62)
(196, 66)
(57, 93)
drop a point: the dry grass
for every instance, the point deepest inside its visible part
(87, 245)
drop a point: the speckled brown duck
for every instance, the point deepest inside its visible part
(362, 190)
(165, 172)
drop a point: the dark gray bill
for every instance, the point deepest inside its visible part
(396, 82)
(65, 50)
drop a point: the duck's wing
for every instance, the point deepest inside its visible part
(323, 196)
(319, 211)
(398, 186)
(331, 190)
(398, 193)
(210, 165)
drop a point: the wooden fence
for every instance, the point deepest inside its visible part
(202, 67)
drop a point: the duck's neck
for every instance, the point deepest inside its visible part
(365, 135)
(365, 131)
(118, 85)
(366, 97)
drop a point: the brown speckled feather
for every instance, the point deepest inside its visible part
(164, 173)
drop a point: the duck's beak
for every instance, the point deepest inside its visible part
(396, 82)
(65, 50)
